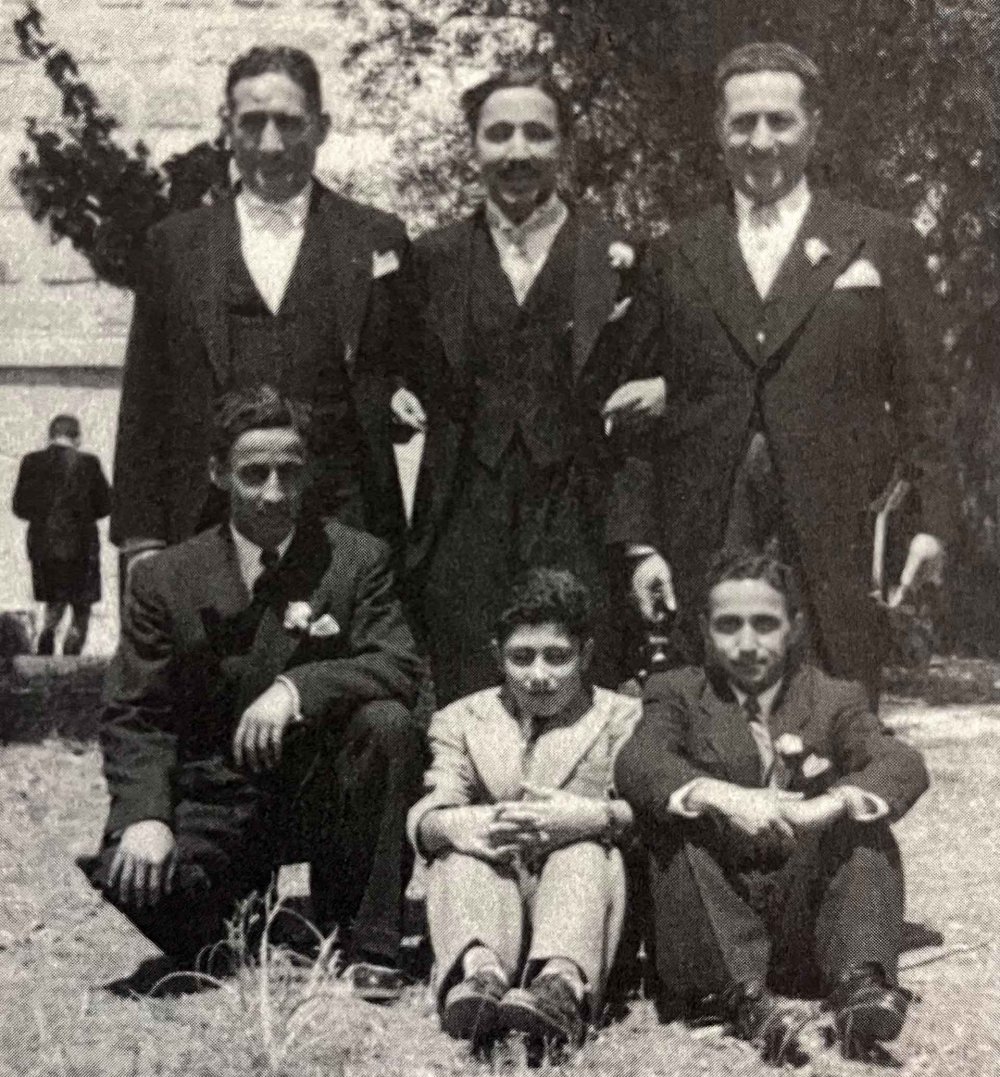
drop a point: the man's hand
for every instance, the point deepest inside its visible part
(478, 831)
(408, 411)
(554, 817)
(144, 864)
(257, 741)
(653, 588)
(645, 398)
(760, 814)
(924, 564)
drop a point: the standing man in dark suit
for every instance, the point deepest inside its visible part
(62, 493)
(792, 334)
(287, 283)
(764, 790)
(517, 363)
(259, 712)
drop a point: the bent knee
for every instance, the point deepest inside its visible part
(388, 722)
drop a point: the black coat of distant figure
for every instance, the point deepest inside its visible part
(61, 472)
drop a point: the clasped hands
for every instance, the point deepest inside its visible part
(545, 820)
(144, 866)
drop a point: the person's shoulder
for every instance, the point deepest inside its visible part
(874, 224)
(379, 223)
(181, 225)
(685, 682)
(483, 705)
(359, 546)
(616, 705)
(183, 561)
(830, 692)
(692, 229)
(445, 237)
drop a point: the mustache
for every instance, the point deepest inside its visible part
(519, 169)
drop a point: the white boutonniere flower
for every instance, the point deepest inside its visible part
(816, 250)
(789, 746)
(814, 765)
(621, 255)
(301, 619)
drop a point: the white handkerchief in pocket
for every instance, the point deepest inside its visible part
(384, 263)
(859, 274)
(324, 627)
(620, 308)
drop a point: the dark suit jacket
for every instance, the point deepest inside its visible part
(439, 370)
(842, 375)
(45, 476)
(194, 654)
(178, 358)
(693, 726)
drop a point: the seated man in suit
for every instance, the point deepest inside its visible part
(260, 695)
(519, 825)
(764, 790)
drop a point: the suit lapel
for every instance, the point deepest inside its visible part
(800, 284)
(449, 295)
(349, 250)
(713, 251)
(595, 287)
(299, 574)
(208, 272)
(795, 705)
(558, 751)
(729, 734)
(495, 745)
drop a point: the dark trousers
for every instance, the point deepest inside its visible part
(723, 917)
(502, 521)
(339, 800)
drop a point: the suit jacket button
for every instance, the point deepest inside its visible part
(761, 336)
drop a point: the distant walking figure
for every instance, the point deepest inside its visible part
(62, 493)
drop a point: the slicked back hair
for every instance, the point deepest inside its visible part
(64, 426)
(547, 596)
(771, 56)
(750, 565)
(259, 408)
(533, 73)
(297, 64)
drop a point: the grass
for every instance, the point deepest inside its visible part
(60, 946)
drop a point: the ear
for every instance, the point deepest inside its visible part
(797, 632)
(497, 654)
(218, 473)
(323, 123)
(586, 654)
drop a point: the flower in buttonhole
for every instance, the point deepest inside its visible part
(621, 255)
(789, 746)
(816, 250)
(298, 616)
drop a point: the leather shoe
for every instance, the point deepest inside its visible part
(470, 1007)
(376, 983)
(866, 1008)
(547, 1011)
(771, 1024)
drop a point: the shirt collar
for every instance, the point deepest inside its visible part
(66, 443)
(766, 698)
(292, 213)
(543, 223)
(248, 553)
(789, 207)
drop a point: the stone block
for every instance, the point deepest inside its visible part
(175, 102)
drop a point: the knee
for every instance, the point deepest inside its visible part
(390, 725)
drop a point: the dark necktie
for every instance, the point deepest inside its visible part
(269, 558)
(761, 735)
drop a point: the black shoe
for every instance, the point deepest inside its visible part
(866, 1009)
(471, 1006)
(375, 983)
(547, 1011)
(765, 1020)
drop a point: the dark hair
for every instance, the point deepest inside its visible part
(298, 65)
(64, 426)
(771, 56)
(261, 407)
(528, 73)
(544, 595)
(751, 565)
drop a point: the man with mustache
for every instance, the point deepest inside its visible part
(286, 283)
(521, 304)
(791, 329)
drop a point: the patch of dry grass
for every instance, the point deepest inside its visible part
(59, 944)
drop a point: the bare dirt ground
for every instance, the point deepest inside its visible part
(60, 948)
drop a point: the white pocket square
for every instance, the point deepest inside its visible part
(384, 263)
(619, 309)
(324, 627)
(859, 274)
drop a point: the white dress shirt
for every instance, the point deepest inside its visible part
(270, 238)
(523, 248)
(766, 233)
(248, 556)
